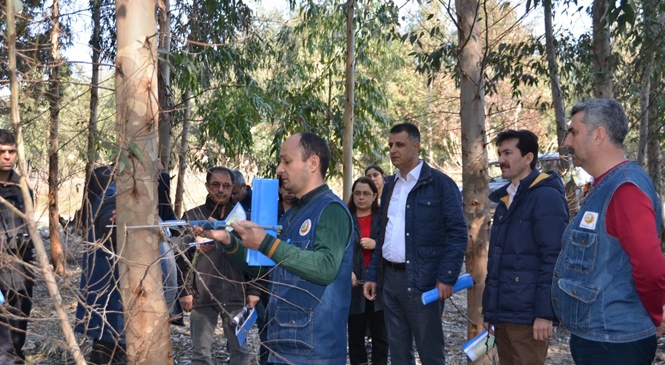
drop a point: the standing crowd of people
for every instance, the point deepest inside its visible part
(353, 272)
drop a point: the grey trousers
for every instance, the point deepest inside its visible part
(203, 322)
(408, 319)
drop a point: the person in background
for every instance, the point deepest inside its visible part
(421, 246)
(16, 278)
(365, 314)
(99, 314)
(241, 193)
(285, 198)
(525, 241)
(217, 287)
(375, 172)
(609, 280)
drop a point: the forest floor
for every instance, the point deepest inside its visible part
(45, 340)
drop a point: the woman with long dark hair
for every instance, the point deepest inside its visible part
(378, 177)
(365, 314)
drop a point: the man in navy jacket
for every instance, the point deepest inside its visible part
(524, 244)
(421, 246)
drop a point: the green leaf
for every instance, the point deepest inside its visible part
(136, 150)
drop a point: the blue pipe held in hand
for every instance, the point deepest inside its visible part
(463, 282)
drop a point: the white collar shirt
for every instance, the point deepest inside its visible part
(512, 190)
(394, 244)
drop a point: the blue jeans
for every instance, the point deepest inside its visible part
(640, 352)
(202, 326)
(408, 319)
(169, 276)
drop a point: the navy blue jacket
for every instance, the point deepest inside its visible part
(435, 232)
(524, 246)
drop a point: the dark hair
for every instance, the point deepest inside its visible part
(218, 170)
(527, 142)
(311, 144)
(7, 138)
(410, 129)
(375, 203)
(375, 167)
(607, 113)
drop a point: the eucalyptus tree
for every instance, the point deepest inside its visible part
(146, 316)
(474, 154)
(602, 50)
(15, 120)
(307, 77)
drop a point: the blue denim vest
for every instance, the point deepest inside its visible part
(593, 292)
(308, 321)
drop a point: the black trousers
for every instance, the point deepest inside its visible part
(358, 325)
(13, 331)
(108, 353)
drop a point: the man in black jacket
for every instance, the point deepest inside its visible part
(16, 279)
(216, 288)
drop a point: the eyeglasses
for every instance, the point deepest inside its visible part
(217, 185)
(366, 194)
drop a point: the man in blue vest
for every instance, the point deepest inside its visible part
(609, 281)
(311, 285)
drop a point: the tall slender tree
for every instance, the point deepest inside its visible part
(474, 153)
(602, 50)
(137, 107)
(57, 255)
(349, 100)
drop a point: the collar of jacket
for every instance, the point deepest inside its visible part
(531, 180)
(297, 203)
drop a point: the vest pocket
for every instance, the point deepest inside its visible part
(581, 254)
(294, 331)
(575, 303)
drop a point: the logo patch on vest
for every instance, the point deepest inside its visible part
(589, 220)
(306, 226)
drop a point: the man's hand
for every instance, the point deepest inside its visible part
(220, 235)
(367, 243)
(250, 235)
(489, 328)
(660, 330)
(252, 300)
(204, 248)
(369, 290)
(354, 280)
(542, 329)
(187, 303)
(445, 290)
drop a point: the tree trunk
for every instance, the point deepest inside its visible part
(57, 255)
(555, 84)
(474, 154)
(137, 107)
(182, 156)
(349, 100)
(166, 109)
(602, 51)
(95, 42)
(40, 251)
(644, 112)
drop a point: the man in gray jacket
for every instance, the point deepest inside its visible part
(217, 287)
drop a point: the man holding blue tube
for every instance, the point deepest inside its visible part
(524, 244)
(421, 246)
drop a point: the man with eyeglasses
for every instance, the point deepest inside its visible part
(219, 288)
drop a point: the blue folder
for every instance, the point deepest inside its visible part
(264, 212)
